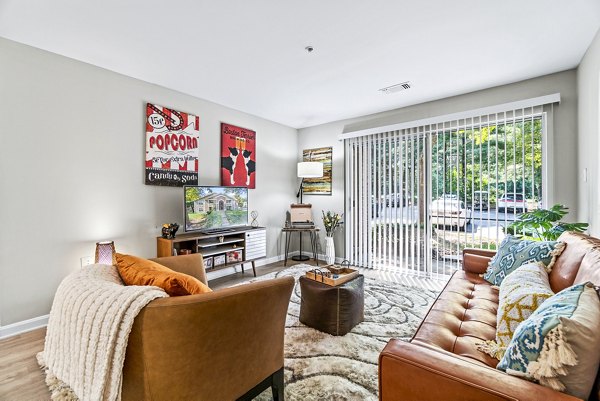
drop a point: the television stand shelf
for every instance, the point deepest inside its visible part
(219, 250)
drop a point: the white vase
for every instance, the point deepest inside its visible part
(329, 251)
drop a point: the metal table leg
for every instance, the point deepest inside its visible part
(287, 247)
(313, 245)
(300, 257)
(316, 248)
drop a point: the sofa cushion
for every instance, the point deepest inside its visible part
(463, 315)
(589, 269)
(139, 271)
(567, 267)
(558, 346)
(521, 293)
(515, 252)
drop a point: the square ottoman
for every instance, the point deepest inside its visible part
(334, 310)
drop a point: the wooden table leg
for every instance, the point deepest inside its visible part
(254, 268)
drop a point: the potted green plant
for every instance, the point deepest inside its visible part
(543, 224)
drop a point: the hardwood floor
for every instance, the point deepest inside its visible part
(20, 375)
(22, 380)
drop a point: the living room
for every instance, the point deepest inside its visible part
(75, 94)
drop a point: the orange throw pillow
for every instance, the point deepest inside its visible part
(138, 271)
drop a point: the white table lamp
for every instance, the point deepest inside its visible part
(308, 170)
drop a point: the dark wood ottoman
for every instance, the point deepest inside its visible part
(334, 310)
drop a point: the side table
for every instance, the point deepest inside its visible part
(312, 231)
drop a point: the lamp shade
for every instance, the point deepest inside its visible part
(105, 253)
(310, 169)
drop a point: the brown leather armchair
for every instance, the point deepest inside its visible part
(224, 345)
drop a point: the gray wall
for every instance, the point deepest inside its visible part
(588, 84)
(565, 134)
(72, 170)
(71, 162)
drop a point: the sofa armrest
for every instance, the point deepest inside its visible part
(476, 260)
(212, 346)
(192, 264)
(409, 371)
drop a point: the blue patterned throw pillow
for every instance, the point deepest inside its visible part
(557, 345)
(514, 252)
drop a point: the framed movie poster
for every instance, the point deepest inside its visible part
(238, 156)
(171, 146)
(322, 185)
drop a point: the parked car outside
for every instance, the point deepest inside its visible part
(448, 197)
(449, 212)
(514, 202)
(394, 200)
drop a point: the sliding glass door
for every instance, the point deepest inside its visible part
(416, 197)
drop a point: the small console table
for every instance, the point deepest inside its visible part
(312, 231)
(219, 250)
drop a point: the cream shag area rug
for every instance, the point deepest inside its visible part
(319, 366)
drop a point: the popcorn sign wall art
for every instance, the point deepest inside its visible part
(171, 147)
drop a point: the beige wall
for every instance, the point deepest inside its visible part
(564, 178)
(588, 91)
(72, 170)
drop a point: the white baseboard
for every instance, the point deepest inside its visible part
(42, 321)
(23, 327)
(322, 258)
(261, 262)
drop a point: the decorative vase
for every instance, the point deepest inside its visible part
(329, 250)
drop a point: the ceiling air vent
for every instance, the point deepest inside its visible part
(396, 88)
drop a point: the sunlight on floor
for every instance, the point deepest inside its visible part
(394, 277)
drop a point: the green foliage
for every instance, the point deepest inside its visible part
(499, 158)
(236, 216)
(191, 195)
(331, 221)
(544, 224)
(237, 194)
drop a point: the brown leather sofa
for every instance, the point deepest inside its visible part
(441, 361)
(224, 345)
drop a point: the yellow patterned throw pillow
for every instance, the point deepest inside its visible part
(521, 293)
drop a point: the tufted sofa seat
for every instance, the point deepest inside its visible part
(463, 314)
(441, 361)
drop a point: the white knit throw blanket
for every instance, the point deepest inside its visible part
(90, 321)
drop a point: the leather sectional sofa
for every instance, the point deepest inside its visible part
(441, 362)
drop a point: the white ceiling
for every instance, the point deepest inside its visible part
(249, 54)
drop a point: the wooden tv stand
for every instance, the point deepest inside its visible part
(250, 244)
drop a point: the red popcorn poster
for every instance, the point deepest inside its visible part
(238, 156)
(171, 147)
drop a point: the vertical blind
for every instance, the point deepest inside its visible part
(417, 195)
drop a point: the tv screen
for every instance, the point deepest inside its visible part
(215, 208)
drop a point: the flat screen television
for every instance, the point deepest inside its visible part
(212, 208)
